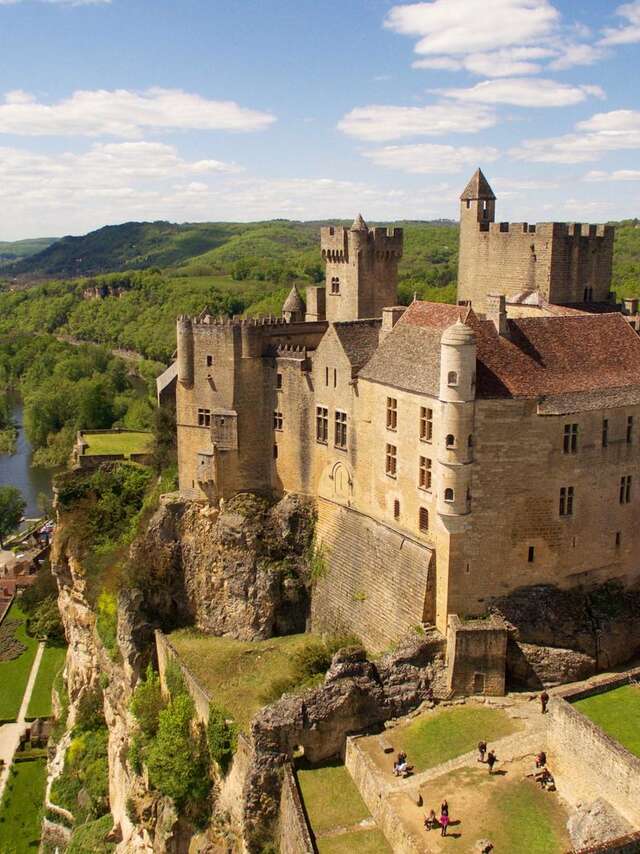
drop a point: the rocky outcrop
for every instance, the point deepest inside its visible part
(530, 666)
(240, 571)
(596, 823)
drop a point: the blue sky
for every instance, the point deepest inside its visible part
(193, 110)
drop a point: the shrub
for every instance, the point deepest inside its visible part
(90, 711)
(91, 837)
(45, 621)
(107, 621)
(147, 703)
(174, 679)
(222, 737)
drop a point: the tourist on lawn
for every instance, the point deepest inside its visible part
(444, 822)
(431, 821)
(544, 700)
(482, 749)
(491, 760)
(541, 759)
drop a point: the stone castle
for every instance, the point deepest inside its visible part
(456, 453)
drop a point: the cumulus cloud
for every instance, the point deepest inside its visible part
(427, 159)
(506, 62)
(614, 131)
(124, 113)
(380, 123)
(577, 54)
(524, 92)
(629, 33)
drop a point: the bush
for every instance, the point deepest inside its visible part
(222, 737)
(147, 703)
(45, 621)
(90, 711)
(174, 679)
(107, 621)
(91, 837)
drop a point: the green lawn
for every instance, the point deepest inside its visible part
(617, 712)
(14, 674)
(237, 673)
(358, 841)
(117, 443)
(330, 796)
(439, 736)
(51, 663)
(21, 808)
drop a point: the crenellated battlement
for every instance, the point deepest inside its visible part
(549, 229)
(339, 244)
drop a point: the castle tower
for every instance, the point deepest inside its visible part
(477, 202)
(293, 310)
(361, 269)
(455, 437)
(185, 350)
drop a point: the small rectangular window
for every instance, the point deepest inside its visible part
(340, 437)
(326, 377)
(335, 285)
(570, 445)
(618, 538)
(605, 432)
(204, 417)
(322, 425)
(275, 452)
(335, 377)
(392, 413)
(566, 501)
(629, 429)
(391, 460)
(277, 420)
(396, 509)
(423, 519)
(209, 361)
(625, 489)
(278, 380)
(424, 476)
(532, 553)
(426, 424)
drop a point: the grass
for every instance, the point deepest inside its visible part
(358, 841)
(117, 443)
(617, 712)
(50, 665)
(15, 674)
(330, 796)
(237, 673)
(439, 736)
(91, 837)
(21, 808)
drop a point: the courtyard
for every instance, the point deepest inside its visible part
(616, 712)
(124, 442)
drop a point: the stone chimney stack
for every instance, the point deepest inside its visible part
(390, 316)
(497, 312)
(630, 305)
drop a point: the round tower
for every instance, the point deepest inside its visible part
(294, 309)
(185, 350)
(455, 435)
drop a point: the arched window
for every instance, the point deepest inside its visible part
(452, 378)
(448, 494)
(450, 441)
(423, 519)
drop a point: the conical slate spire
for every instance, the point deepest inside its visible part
(294, 301)
(359, 224)
(477, 188)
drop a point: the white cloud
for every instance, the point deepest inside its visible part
(629, 33)
(619, 175)
(380, 123)
(577, 54)
(506, 62)
(469, 26)
(524, 92)
(614, 131)
(439, 63)
(427, 159)
(124, 113)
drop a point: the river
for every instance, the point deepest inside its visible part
(15, 469)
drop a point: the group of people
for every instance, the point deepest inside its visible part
(401, 768)
(431, 821)
(490, 758)
(543, 775)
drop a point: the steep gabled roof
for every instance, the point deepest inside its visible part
(359, 339)
(477, 188)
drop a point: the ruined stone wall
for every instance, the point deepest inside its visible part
(376, 580)
(476, 657)
(166, 654)
(293, 831)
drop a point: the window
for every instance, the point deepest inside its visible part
(426, 424)
(340, 437)
(423, 519)
(335, 377)
(326, 377)
(277, 420)
(629, 429)
(424, 479)
(532, 553)
(396, 509)
(322, 425)
(392, 413)
(278, 381)
(204, 417)
(570, 445)
(335, 285)
(391, 460)
(625, 489)
(450, 441)
(452, 378)
(605, 432)
(566, 501)
(209, 361)
(448, 494)
(470, 441)
(618, 538)
(275, 452)
(468, 203)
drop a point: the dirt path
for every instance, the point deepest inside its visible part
(10, 733)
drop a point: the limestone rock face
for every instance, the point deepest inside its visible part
(595, 823)
(241, 571)
(530, 666)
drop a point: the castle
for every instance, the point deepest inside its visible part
(456, 452)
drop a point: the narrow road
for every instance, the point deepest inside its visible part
(10, 733)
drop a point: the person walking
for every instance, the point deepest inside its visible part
(444, 823)
(491, 760)
(544, 700)
(482, 749)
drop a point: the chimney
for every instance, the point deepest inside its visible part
(497, 312)
(630, 305)
(390, 316)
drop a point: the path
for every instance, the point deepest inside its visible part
(10, 733)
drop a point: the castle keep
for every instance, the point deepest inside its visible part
(456, 453)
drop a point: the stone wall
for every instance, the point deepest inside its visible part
(294, 836)
(166, 653)
(476, 656)
(624, 845)
(587, 761)
(376, 578)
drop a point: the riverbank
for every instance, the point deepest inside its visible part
(35, 484)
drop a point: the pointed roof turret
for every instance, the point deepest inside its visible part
(359, 224)
(294, 301)
(477, 188)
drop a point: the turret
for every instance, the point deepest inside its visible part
(185, 350)
(293, 310)
(478, 201)
(455, 436)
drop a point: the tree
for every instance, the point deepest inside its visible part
(12, 506)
